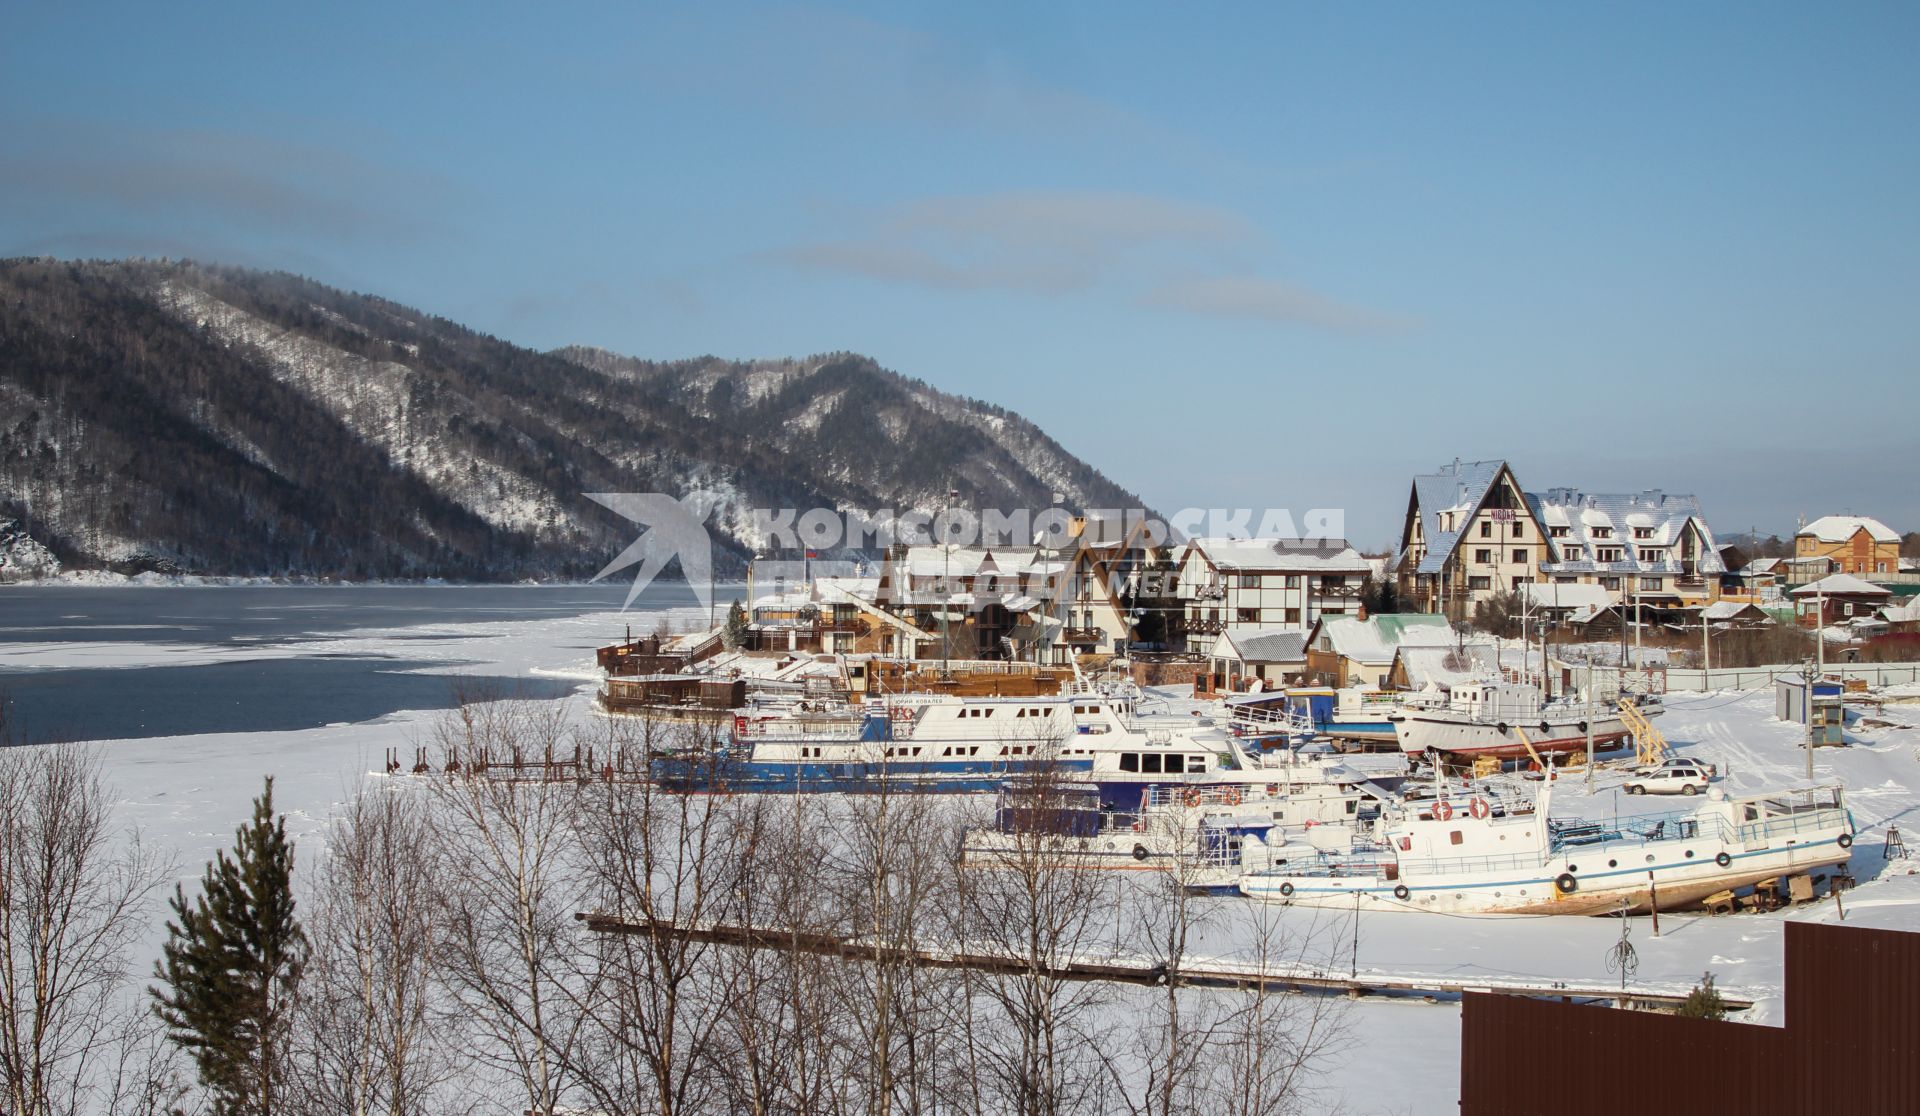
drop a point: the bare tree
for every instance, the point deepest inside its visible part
(73, 890)
(372, 1037)
(512, 882)
(1266, 1053)
(661, 861)
(1034, 903)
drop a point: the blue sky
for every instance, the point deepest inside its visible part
(1260, 254)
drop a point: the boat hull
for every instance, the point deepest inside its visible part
(1419, 733)
(1668, 880)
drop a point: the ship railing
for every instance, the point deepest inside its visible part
(1199, 794)
(1452, 864)
(1806, 821)
(1646, 829)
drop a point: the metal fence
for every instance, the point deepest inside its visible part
(1605, 680)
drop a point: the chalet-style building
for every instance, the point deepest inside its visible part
(1108, 588)
(1469, 534)
(1229, 585)
(976, 602)
(1855, 543)
(1650, 545)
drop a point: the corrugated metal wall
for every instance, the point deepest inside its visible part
(1851, 1044)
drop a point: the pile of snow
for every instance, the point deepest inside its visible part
(22, 558)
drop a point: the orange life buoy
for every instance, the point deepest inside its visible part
(1193, 796)
(1480, 809)
(1233, 796)
(1443, 810)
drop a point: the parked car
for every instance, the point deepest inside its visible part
(1712, 770)
(1686, 779)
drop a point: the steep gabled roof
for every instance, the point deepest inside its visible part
(1459, 487)
(1266, 645)
(1665, 516)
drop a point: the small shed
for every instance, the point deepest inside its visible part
(1795, 698)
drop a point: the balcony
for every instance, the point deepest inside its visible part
(855, 626)
(1194, 625)
(1081, 635)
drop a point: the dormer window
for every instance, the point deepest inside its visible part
(1603, 532)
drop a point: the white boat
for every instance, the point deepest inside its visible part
(1476, 856)
(1481, 719)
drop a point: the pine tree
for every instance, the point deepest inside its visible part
(736, 630)
(232, 963)
(1704, 1001)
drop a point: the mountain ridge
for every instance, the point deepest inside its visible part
(182, 417)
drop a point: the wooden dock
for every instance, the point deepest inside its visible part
(1200, 972)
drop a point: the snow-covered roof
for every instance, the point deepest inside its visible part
(1551, 594)
(1458, 487)
(1903, 613)
(1841, 585)
(1375, 639)
(1268, 555)
(1263, 645)
(1729, 610)
(1630, 521)
(1447, 665)
(1840, 528)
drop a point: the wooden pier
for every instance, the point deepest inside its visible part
(1200, 972)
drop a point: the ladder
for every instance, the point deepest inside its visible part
(1649, 745)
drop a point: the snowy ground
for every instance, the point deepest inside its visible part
(188, 793)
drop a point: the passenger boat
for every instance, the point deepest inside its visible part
(1480, 719)
(1352, 713)
(1482, 855)
(939, 744)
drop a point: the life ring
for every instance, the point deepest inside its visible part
(1286, 889)
(1480, 808)
(1723, 860)
(1566, 883)
(1233, 796)
(1273, 789)
(1192, 796)
(1400, 891)
(1139, 852)
(1502, 726)
(1845, 840)
(1443, 810)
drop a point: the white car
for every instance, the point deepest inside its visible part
(1688, 779)
(1712, 771)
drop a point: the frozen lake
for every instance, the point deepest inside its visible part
(193, 692)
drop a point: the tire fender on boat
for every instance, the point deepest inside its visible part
(1546, 729)
(1139, 852)
(1286, 889)
(1400, 892)
(1723, 860)
(1583, 728)
(1565, 883)
(1502, 726)
(1845, 840)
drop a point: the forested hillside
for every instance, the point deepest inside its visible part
(179, 417)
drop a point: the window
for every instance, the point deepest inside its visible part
(1603, 532)
(1519, 529)
(1652, 584)
(1610, 583)
(1455, 838)
(1557, 532)
(1129, 761)
(1519, 581)
(1335, 581)
(1846, 610)
(1519, 557)
(1293, 616)
(1606, 553)
(1486, 528)
(1483, 557)
(1293, 581)
(1479, 583)
(1651, 554)
(1643, 532)
(1247, 615)
(1150, 763)
(1248, 581)
(1176, 765)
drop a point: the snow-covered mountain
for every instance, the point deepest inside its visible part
(174, 416)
